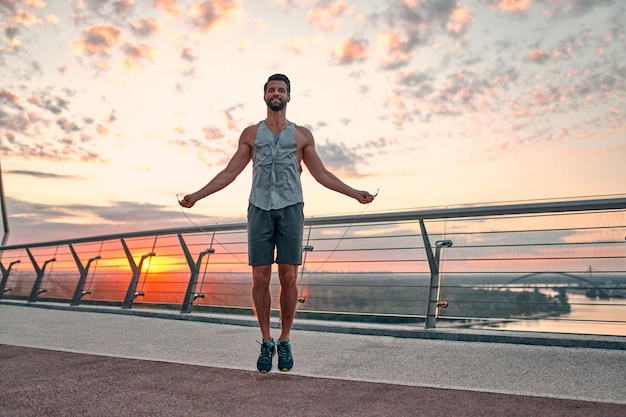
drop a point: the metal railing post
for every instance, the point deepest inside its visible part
(194, 267)
(434, 298)
(5, 277)
(34, 293)
(132, 293)
(79, 292)
(433, 264)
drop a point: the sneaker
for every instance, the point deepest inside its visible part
(285, 360)
(264, 363)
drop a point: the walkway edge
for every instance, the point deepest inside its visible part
(390, 330)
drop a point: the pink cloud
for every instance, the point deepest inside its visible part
(326, 17)
(206, 15)
(459, 20)
(395, 54)
(514, 6)
(350, 51)
(6, 95)
(135, 55)
(98, 40)
(145, 27)
(294, 44)
(171, 7)
(26, 18)
(211, 132)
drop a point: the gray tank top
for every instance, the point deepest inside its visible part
(275, 170)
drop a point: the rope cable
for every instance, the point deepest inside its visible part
(301, 298)
(207, 233)
(346, 232)
(309, 234)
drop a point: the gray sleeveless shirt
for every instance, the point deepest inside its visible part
(275, 170)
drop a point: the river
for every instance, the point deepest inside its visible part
(587, 316)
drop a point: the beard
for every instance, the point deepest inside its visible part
(276, 106)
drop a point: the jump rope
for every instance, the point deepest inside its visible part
(301, 298)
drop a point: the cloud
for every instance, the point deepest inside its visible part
(30, 221)
(293, 44)
(145, 27)
(420, 84)
(136, 55)
(326, 14)
(53, 20)
(67, 126)
(459, 20)
(397, 54)
(22, 126)
(231, 123)
(290, 5)
(52, 103)
(338, 157)
(574, 8)
(411, 24)
(98, 40)
(513, 6)
(521, 94)
(171, 7)
(39, 174)
(26, 18)
(123, 7)
(186, 54)
(209, 14)
(108, 10)
(351, 51)
(11, 31)
(9, 97)
(538, 56)
(212, 133)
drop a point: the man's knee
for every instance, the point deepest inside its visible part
(262, 274)
(287, 274)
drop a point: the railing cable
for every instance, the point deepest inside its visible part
(346, 232)
(207, 233)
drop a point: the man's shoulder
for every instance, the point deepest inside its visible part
(250, 132)
(303, 131)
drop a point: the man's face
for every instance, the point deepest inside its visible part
(276, 96)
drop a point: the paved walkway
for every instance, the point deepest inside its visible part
(76, 363)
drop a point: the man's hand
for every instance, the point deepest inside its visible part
(364, 197)
(188, 201)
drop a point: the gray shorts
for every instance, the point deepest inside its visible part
(281, 229)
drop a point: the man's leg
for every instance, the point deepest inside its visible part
(262, 298)
(288, 301)
(288, 276)
(288, 256)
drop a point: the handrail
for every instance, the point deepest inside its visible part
(423, 214)
(384, 272)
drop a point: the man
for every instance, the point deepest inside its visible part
(275, 212)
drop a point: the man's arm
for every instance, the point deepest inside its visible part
(323, 176)
(225, 177)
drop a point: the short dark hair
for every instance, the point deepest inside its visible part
(278, 77)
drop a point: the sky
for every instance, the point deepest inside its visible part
(112, 110)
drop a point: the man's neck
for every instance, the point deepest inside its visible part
(276, 120)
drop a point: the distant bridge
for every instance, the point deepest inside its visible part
(601, 292)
